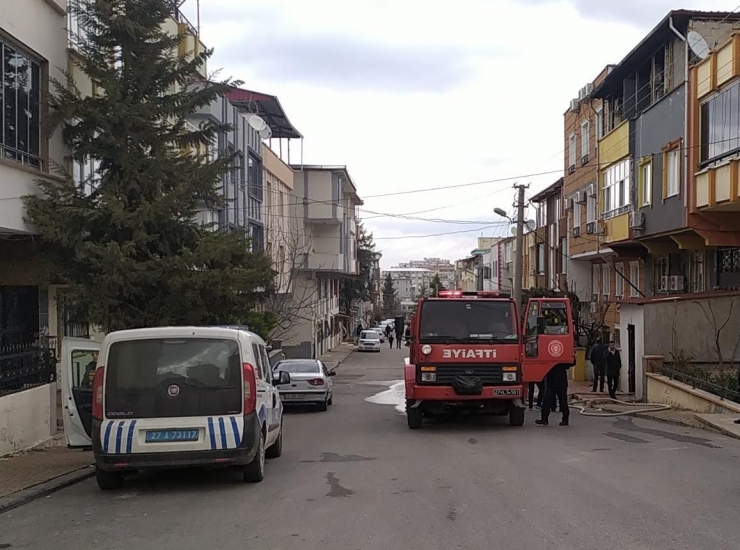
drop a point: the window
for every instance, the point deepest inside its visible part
(696, 272)
(617, 338)
(590, 209)
(634, 279)
(572, 151)
(660, 273)
(646, 183)
(720, 124)
(606, 286)
(467, 321)
(85, 174)
(599, 123)
(671, 173)
(20, 86)
(616, 186)
(585, 142)
(540, 259)
(595, 279)
(576, 214)
(619, 281)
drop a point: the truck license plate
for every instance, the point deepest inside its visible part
(506, 392)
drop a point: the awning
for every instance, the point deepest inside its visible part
(266, 106)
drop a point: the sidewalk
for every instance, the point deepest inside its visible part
(333, 358)
(38, 472)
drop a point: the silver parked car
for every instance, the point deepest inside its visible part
(310, 382)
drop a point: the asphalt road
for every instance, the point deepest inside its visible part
(355, 478)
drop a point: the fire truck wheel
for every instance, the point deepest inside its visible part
(516, 416)
(414, 417)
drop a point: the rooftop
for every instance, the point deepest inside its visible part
(548, 191)
(408, 270)
(266, 106)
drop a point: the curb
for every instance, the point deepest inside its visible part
(717, 429)
(341, 361)
(24, 496)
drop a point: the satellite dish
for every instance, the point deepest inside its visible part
(530, 225)
(256, 122)
(266, 132)
(698, 45)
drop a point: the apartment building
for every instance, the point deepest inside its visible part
(552, 244)
(324, 204)
(411, 282)
(445, 269)
(713, 163)
(34, 49)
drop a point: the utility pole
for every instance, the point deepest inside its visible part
(519, 258)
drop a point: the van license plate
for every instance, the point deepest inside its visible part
(506, 392)
(167, 436)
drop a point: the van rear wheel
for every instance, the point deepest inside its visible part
(254, 472)
(276, 449)
(108, 481)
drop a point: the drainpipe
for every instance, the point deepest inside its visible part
(686, 114)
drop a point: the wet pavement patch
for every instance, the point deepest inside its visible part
(334, 457)
(335, 488)
(625, 437)
(627, 425)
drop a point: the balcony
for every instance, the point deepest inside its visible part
(318, 261)
(716, 188)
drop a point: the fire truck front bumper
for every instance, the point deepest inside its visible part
(447, 393)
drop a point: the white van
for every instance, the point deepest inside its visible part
(172, 397)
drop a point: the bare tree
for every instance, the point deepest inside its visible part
(718, 326)
(297, 296)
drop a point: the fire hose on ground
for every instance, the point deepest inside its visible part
(587, 408)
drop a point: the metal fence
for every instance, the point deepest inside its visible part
(25, 361)
(698, 383)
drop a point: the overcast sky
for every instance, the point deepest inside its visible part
(413, 94)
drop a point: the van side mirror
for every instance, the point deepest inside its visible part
(268, 348)
(281, 379)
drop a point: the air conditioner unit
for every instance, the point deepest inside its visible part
(581, 197)
(574, 105)
(584, 160)
(637, 220)
(585, 91)
(576, 231)
(676, 283)
(663, 283)
(590, 227)
(600, 228)
(569, 204)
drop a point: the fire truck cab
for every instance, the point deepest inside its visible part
(469, 352)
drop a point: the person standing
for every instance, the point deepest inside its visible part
(399, 336)
(540, 394)
(390, 339)
(598, 360)
(613, 361)
(557, 388)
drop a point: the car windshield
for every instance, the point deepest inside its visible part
(468, 321)
(369, 335)
(298, 367)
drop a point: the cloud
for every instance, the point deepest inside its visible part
(640, 13)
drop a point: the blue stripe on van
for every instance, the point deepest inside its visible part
(130, 442)
(224, 445)
(106, 439)
(119, 435)
(237, 435)
(211, 433)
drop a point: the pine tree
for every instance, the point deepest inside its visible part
(390, 297)
(360, 288)
(131, 252)
(436, 285)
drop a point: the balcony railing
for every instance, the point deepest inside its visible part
(26, 361)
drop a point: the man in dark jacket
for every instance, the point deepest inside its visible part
(557, 387)
(598, 360)
(613, 361)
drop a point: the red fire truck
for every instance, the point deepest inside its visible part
(470, 352)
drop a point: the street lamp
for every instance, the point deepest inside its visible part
(502, 213)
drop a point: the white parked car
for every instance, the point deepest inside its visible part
(369, 341)
(380, 332)
(310, 382)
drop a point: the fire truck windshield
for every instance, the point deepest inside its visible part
(469, 321)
